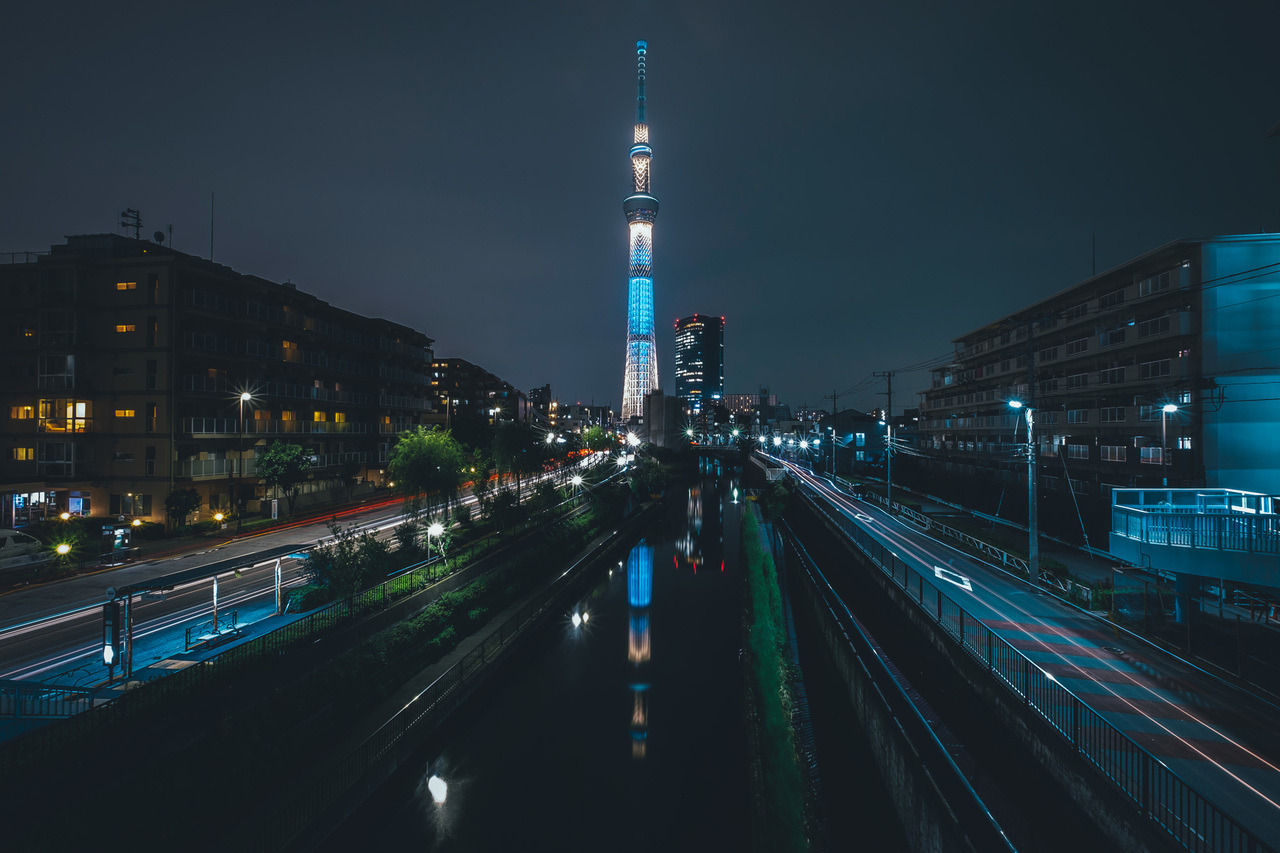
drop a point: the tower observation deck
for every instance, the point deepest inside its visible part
(641, 209)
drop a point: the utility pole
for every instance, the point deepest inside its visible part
(888, 437)
(835, 410)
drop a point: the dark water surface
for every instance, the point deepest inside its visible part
(625, 733)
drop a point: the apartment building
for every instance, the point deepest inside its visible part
(1163, 368)
(122, 369)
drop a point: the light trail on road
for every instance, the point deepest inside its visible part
(993, 590)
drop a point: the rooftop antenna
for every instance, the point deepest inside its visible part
(210, 225)
(130, 218)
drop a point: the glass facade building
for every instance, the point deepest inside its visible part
(699, 361)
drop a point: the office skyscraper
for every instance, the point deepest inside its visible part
(700, 361)
(641, 209)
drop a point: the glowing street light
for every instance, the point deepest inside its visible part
(436, 529)
(63, 550)
(1033, 533)
(245, 397)
(439, 790)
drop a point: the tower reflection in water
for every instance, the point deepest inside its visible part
(639, 595)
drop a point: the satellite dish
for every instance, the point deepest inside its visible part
(159, 236)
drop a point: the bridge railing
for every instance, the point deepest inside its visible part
(1194, 821)
(25, 700)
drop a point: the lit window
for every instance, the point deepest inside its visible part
(126, 285)
(22, 413)
(339, 417)
(126, 413)
(288, 416)
(24, 454)
(126, 327)
(318, 416)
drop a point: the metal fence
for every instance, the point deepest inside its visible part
(1193, 820)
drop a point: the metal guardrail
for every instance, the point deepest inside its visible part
(1194, 821)
(1003, 557)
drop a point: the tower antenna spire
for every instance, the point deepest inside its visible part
(641, 47)
(641, 209)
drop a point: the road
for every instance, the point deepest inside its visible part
(53, 633)
(1223, 741)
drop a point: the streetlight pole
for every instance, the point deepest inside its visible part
(1169, 408)
(1033, 533)
(888, 462)
(244, 397)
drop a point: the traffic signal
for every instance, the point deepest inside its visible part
(110, 633)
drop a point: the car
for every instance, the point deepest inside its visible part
(15, 543)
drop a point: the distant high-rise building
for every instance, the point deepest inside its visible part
(700, 361)
(641, 208)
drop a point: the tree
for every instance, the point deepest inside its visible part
(349, 473)
(181, 503)
(506, 509)
(347, 563)
(282, 465)
(597, 438)
(427, 467)
(518, 449)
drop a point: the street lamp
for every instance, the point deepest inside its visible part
(1168, 409)
(436, 529)
(1033, 542)
(245, 397)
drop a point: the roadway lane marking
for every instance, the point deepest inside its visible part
(953, 577)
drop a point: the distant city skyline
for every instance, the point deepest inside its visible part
(853, 187)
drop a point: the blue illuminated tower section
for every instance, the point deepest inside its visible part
(641, 209)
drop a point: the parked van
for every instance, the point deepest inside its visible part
(15, 543)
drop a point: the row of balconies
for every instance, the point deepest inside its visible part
(203, 427)
(198, 469)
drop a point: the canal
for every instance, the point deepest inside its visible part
(621, 732)
(626, 731)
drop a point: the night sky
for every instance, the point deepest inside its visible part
(851, 185)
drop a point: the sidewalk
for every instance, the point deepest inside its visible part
(18, 577)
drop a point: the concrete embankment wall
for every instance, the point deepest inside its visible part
(935, 807)
(1030, 743)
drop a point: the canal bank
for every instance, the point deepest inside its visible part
(622, 732)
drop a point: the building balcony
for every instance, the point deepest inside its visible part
(231, 428)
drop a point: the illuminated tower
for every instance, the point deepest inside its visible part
(641, 209)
